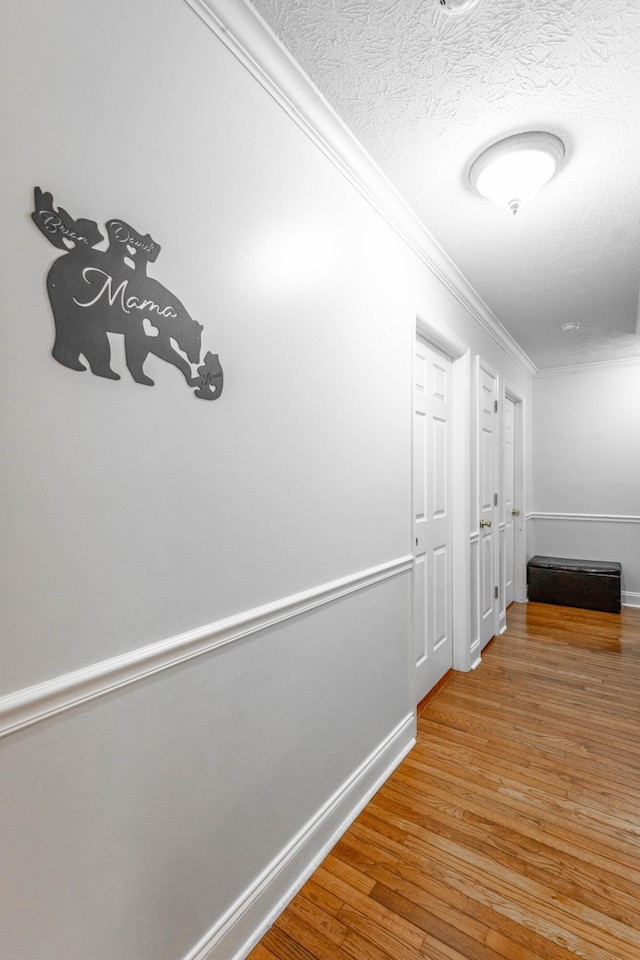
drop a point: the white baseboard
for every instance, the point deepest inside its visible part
(630, 599)
(237, 932)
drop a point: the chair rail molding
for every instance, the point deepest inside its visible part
(243, 31)
(43, 700)
(591, 517)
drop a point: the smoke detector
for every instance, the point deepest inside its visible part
(457, 6)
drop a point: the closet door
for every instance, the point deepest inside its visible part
(432, 412)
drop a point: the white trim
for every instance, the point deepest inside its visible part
(237, 24)
(436, 332)
(630, 599)
(590, 517)
(243, 925)
(32, 704)
(585, 367)
(488, 368)
(502, 530)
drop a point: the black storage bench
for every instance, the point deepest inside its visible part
(590, 584)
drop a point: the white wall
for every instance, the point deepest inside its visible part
(586, 462)
(207, 636)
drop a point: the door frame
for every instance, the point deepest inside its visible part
(520, 490)
(432, 330)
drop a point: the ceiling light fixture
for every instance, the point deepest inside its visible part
(457, 6)
(514, 169)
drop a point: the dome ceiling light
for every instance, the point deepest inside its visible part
(514, 169)
(457, 6)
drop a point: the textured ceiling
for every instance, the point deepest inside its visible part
(425, 91)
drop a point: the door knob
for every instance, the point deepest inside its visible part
(485, 523)
(515, 513)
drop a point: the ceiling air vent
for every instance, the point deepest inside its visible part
(457, 6)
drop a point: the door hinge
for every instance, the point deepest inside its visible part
(495, 406)
(495, 499)
(495, 593)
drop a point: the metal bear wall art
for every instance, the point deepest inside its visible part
(95, 292)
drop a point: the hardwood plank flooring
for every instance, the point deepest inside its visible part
(512, 830)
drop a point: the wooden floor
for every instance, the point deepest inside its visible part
(512, 830)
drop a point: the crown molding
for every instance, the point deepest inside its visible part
(239, 26)
(585, 367)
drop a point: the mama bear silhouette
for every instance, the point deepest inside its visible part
(94, 292)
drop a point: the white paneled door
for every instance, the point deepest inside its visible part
(508, 486)
(433, 606)
(487, 487)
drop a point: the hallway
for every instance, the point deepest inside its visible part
(512, 829)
